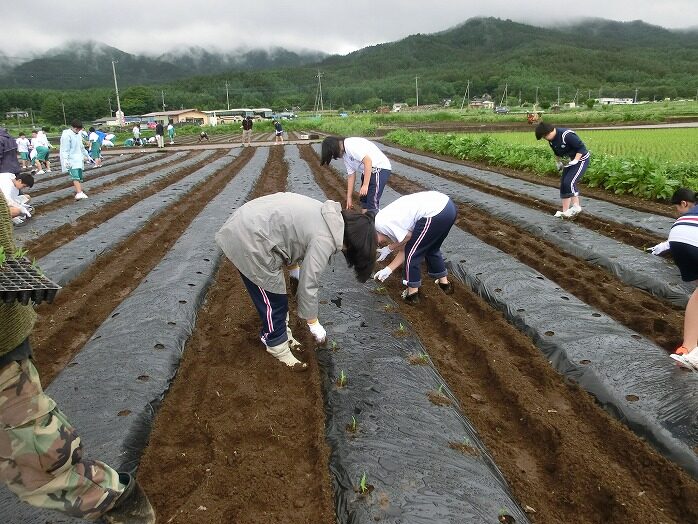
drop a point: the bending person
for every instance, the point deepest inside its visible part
(271, 232)
(683, 243)
(359, 154)
(414, 227)
(566, 143)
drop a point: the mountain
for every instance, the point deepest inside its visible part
(86, 64)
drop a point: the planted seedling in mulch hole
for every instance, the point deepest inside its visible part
(505, 517)
(401, 331)
(364, 488)
(334, 346)
(422, 359)
(342, 379)
(388, 308)
(438, 398)
(466, 447)
(353, 426)
(380, 290)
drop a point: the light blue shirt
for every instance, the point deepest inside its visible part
(72, 151)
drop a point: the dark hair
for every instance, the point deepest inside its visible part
(92, 130)
(330, 149)
(683, 194)
(21, 134)
(45, 129)
(26, 179)
(359, 243)
(543, 129)
(76, 124)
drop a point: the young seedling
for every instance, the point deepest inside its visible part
(333, 345)
(363, 487)
(342, 380)
(401, 329)
(440, 391)
(19, 253)
(35, 265)
(353, 426)
(420, 359)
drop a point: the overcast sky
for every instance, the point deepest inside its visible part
(156, 26)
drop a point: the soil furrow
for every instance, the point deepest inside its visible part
(562, 454)
(639, 204)
(85, 303)
(45, 244)
(642, 312)
(255, 451)
(628, 235)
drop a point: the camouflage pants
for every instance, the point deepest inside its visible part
(41, 454)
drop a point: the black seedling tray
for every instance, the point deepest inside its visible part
(21, 281)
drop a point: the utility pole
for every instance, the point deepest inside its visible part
(558, 96)
(576, 96)
(416, 88)
(119, 114)
(536, 104)
(635, 99)
(111, 113)
(162, 92)
(589, 97)
(227, 100)
(467, 94)
(32, 115)
(65, 123)
(319, 105)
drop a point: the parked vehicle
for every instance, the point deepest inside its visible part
(501, 110)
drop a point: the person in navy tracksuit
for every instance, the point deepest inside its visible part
(566, 144)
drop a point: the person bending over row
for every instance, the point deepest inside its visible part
(269, 233)
(414, 227)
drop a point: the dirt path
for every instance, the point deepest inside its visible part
(81, 307)
(255, 450)
(562, 455)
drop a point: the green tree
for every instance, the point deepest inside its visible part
(590, 103)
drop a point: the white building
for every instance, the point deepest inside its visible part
(613, 101)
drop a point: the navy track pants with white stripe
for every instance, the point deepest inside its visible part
(272, 309)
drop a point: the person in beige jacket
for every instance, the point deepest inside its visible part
(269, 233)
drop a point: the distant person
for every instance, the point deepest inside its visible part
(359, 153)
(566, 144)
(414, 227)
(203, 136)
(42, 457)
(95, 147)
(136, 134)
(23, 150)
(41, 147)
(246, 130)
(278, 132)
(160, 135)
(10, 187)
(72, 154)
(171, 132)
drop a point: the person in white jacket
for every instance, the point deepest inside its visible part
(73, 154)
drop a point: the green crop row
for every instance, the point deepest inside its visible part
(640, 176)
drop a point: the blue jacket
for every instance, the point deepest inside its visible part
(567, 144)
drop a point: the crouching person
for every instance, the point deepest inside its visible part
(414, 227)
(41, 457)
(267, 234)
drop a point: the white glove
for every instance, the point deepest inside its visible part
(383, 253)
(295, 273)
(318, 332)
(571, 163)
(559, 165)
(659, 248)
(383, 274)
(25, 211)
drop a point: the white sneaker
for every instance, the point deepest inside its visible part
(688, 361)
(80, 196)
(48, 170)
(576, 210)
(568, 214)
(40, 172)
(18, 221)
(558, 214)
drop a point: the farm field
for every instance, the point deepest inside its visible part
(518, 363)
(672, 145)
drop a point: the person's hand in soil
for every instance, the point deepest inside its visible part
(383, 274)
(318, 332)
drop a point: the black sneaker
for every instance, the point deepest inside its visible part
(412, 298)
(446, 288)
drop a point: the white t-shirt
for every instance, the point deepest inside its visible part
(399, 218)
(42, 140)
(22, 145)
(94, 137)
(685, 229)
(170, 126)
(8, 189)
(356, 149)
(136, 132)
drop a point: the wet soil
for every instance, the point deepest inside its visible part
(642, 312)
(560, 452)
(80, 308)
(255, 451)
